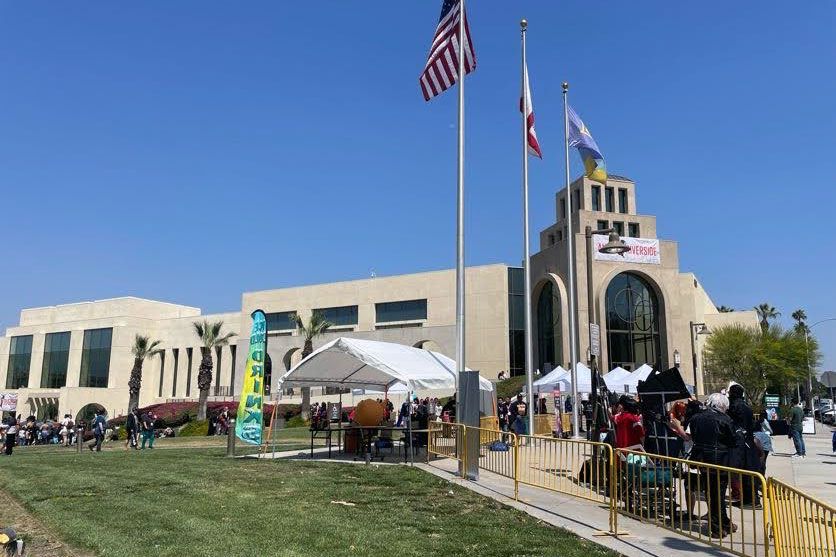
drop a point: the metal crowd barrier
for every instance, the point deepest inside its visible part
(446, 440)
(690, 498)
(497, 452)
(571, 466)
(801, 525)
(489, 422)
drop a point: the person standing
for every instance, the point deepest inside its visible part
(146, 423)
(99, 424)
(132, 427)
(518, 413)
(797, 430)
(11, 434)
(746, 457)
(714, 438)
(502, 413)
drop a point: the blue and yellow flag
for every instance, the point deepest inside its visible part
(249, 422)
(593, 160)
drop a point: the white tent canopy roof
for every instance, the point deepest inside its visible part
(616, 378)
(369, 364)
(561, 379)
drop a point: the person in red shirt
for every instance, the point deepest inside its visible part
(629, 430)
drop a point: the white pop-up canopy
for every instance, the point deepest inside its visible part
(563, 381)
(550, 381)
(616, 379)
(369, 364)
(631, 383)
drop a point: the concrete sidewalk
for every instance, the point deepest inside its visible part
(585, 518)
(814, 475)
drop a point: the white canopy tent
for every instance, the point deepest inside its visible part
(631, 383)
(374, 365)
(549, 382)
(616, 380)
(563, 381)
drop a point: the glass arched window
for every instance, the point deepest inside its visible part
(549, 326)
(633, 325)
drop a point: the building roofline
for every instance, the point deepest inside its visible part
(83, 302)
(376, 277)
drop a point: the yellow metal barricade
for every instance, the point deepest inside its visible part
(571, 466)
(801, 525)
(691, 498)
(544, 424)
(446, 440)
(496, 451)
(489, 423)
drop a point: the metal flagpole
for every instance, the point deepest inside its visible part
(460, 355)
(460, 282)
(529, 356)
(570, 252)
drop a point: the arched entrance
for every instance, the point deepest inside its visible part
(633, 323)
(549, 328)
(430, 345)
(291, 358)
(87, 413)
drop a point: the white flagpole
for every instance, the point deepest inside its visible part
(460, 283)
(529, 356)
(570, 252)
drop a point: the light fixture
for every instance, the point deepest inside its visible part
(705, 331)
(615, 245)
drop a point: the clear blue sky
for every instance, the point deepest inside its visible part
(190, 151)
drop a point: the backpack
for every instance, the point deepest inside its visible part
(498, 446)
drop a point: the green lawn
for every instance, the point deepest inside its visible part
(196, 502)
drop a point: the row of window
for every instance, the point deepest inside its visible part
(347, 316)
(609, 205)
(95, 360)
(633, 229)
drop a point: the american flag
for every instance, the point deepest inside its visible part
(442, 69)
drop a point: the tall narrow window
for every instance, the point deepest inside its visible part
(95, 358)
(619, 227)
(609, 200)
(596, 198)
(603, 224)
(563, 208)
(576, 200)
(176, 353)
(188, 372)
(633, 228)
(20, 356)
(56, 355)
(218, 359)
(162, 373)
(622, 201)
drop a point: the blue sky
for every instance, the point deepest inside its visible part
(191, 151)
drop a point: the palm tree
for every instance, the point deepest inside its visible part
(142, 349)
(800, 317)
(765, 313)
(315, 327)
(210, 337)
(725, 309)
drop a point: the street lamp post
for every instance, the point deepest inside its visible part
(616, 246)
(694, 330)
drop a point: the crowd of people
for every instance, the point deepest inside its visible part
(31, 431)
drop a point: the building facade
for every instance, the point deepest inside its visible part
(75, 358)
(648, 310)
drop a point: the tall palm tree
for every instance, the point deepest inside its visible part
(725, 309)
(800, 317)
(142, 349)
(315, 327)
(210, 336)
(765, 313)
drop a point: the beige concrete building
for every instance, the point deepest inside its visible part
(645, 306)
(70, 358)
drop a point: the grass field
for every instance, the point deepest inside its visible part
(193, 501)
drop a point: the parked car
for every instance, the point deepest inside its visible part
(821, 409)
(829, 417)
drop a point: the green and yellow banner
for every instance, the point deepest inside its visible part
(249, 423)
